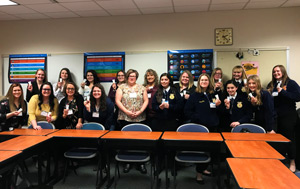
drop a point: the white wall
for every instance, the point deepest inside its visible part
(264, 28)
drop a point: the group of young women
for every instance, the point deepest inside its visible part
(158, 102)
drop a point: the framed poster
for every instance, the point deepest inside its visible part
(22, 67)
(106, 64)
(197, 61)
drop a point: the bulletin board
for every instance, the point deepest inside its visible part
(22, 67)
(267, 59)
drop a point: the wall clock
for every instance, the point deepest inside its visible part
(223, 36)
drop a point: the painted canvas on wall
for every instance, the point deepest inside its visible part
(251, 67)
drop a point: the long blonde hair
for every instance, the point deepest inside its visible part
(209, 89)
(239, 69)
(11, 98)
(256, 79)
(212, 79)
(191, 79)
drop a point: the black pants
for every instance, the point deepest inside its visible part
(164, 125)
(286, 125)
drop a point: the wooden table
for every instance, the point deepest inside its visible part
(8, 160)
(136, 140)
(5, 155)
(192, 141)
(79, 133)
(22, 142)
(252, 149)
(33, 132)
(255, 136)
(262, 173)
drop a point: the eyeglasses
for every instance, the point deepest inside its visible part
(132, 76)
(70, 89)
(120, 75)
(46, 89)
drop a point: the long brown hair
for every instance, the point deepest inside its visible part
(285, 77)
(151, 72)
(209, 89)
(256, 79)
(102, 98)
(212, 78)
(11, 98)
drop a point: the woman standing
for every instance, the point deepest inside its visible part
(70, 112)
(262, 104)
(42, 107)
(64, 77)
(168, 104)
(151, 84)
(132, 100)
(237, 107)
(216, 80)
(202, 105)
(186, 85)
(13, 110)
(99, 108)
(90, 81)
(34, 87)
(120, 79)
(286, 93)
(239, 77)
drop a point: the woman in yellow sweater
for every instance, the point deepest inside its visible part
(42, 107)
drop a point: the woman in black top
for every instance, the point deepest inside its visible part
(286, 93)
(70, 111)
(13, 109)
(99, 108)
(34, 87)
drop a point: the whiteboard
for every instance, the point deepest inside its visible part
(140, 61)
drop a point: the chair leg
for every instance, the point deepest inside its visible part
(116, 170)
(151, 179)
(174, 173)
(99, 168)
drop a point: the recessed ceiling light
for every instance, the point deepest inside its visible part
(7, 2)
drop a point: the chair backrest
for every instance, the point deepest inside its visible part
(298, 174)
(92, 126)
(192, 127)
(137, 127)
(248, 127)
(44, 125)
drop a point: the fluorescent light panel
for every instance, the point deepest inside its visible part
(7, 2)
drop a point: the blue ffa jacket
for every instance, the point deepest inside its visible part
(264, 115)
(240, 110)
(103, 117)
(197, 109)
(285, 102)
(175, 105)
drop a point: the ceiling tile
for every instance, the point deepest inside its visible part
(291, 3)
(153, 3)
(264, 4)
(8, 17)
(191, 8)
(233, 6)
(117, 4)
(32, 16)
(44, 8)
(28, 2)
(68, 1)
(228, 1)
(190, 2)
(92, 13)
(61, 14)
(16, 9)
(124, 12)
(160, 10)
(82, 6)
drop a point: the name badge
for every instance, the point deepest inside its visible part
(275, 94)
(149, 95)
(212, 105)
(44, 113)
(95, 114)
(70, 112)
(132, 95)
(181, 94)
(20, 114)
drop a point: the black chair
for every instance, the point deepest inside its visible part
(82, 153)
(248, 127)
(133, 156)
(196, 157)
